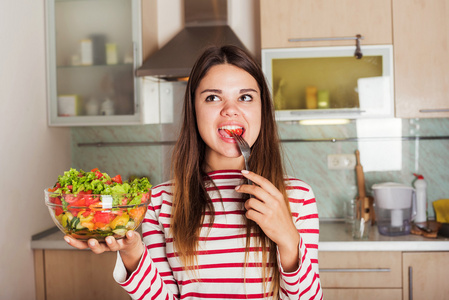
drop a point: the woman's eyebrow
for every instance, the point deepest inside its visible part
(216, 91)
(248, 90)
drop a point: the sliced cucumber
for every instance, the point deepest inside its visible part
(75, 222)
(120, 231)
(130, 224)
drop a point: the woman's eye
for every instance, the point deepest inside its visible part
(212, 98)
(246, 98)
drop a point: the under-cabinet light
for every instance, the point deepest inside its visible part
(324, 122)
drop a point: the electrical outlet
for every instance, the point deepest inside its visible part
(341, 161)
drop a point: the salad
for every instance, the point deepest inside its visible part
(95, 205)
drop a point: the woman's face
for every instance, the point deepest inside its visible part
(227, 98)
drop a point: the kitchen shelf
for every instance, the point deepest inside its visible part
(329, 82)
(95, 66)
(332, 140)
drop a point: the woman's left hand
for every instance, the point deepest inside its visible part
(269, 210)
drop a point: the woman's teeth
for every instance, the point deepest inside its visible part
(226, 130)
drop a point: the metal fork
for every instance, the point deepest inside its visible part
(244, 149)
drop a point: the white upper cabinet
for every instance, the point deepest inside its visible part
(93, 50)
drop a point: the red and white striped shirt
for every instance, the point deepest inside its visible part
(221, 251)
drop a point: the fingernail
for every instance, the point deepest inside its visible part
(245, 172)
(129, 234)
(91, 243)
(67, 239)
(108, 240)
(237, 187)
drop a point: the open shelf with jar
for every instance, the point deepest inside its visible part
(330, 82)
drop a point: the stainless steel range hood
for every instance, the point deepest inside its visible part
(205, 25)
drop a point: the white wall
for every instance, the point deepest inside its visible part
(244, 19)
(31, 153)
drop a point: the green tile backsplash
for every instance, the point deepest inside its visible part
(386, 154)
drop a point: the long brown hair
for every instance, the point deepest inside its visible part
(190, 199)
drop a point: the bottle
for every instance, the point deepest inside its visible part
(279, 100)
(92, 107)
(107, 107)
(311, 97)
(323, 99)
(421, 198)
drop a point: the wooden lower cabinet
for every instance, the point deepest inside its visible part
(361, 275)
(425, 275)
(384, 275)
(365, 294)
(76, 274)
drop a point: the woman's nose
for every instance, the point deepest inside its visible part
(230, 109)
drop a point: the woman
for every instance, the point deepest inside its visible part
(203, 236)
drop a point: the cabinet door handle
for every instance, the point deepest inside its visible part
(435, 110)
(292, 40)
(327, 111)
(357, 270)
(410, 283)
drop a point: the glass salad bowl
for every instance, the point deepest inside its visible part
(84, 216)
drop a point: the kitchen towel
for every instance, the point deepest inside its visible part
(441, 207)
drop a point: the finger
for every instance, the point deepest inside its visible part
(112, 243)
(75, 243)
(258, 192)
(256, 204)
(132, 244)
(132, 238)
(97, 247)
(262, 182)
(255, 216)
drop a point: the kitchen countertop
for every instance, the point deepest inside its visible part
(333, 237)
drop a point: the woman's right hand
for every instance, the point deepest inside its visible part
(131, 247)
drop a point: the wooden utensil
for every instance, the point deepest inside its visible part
(363, 201)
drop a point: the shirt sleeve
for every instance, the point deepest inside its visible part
(304, 283)
(153, 278)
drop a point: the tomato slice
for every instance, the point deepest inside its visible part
(98, 174)
(89, 199)
(124, 201)
(237, 131)
(145, 197)
(117, 179)
(94, 170)
(79, 202)
(69, 198)
(58, 211)
(55, 200)
(103, 217)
